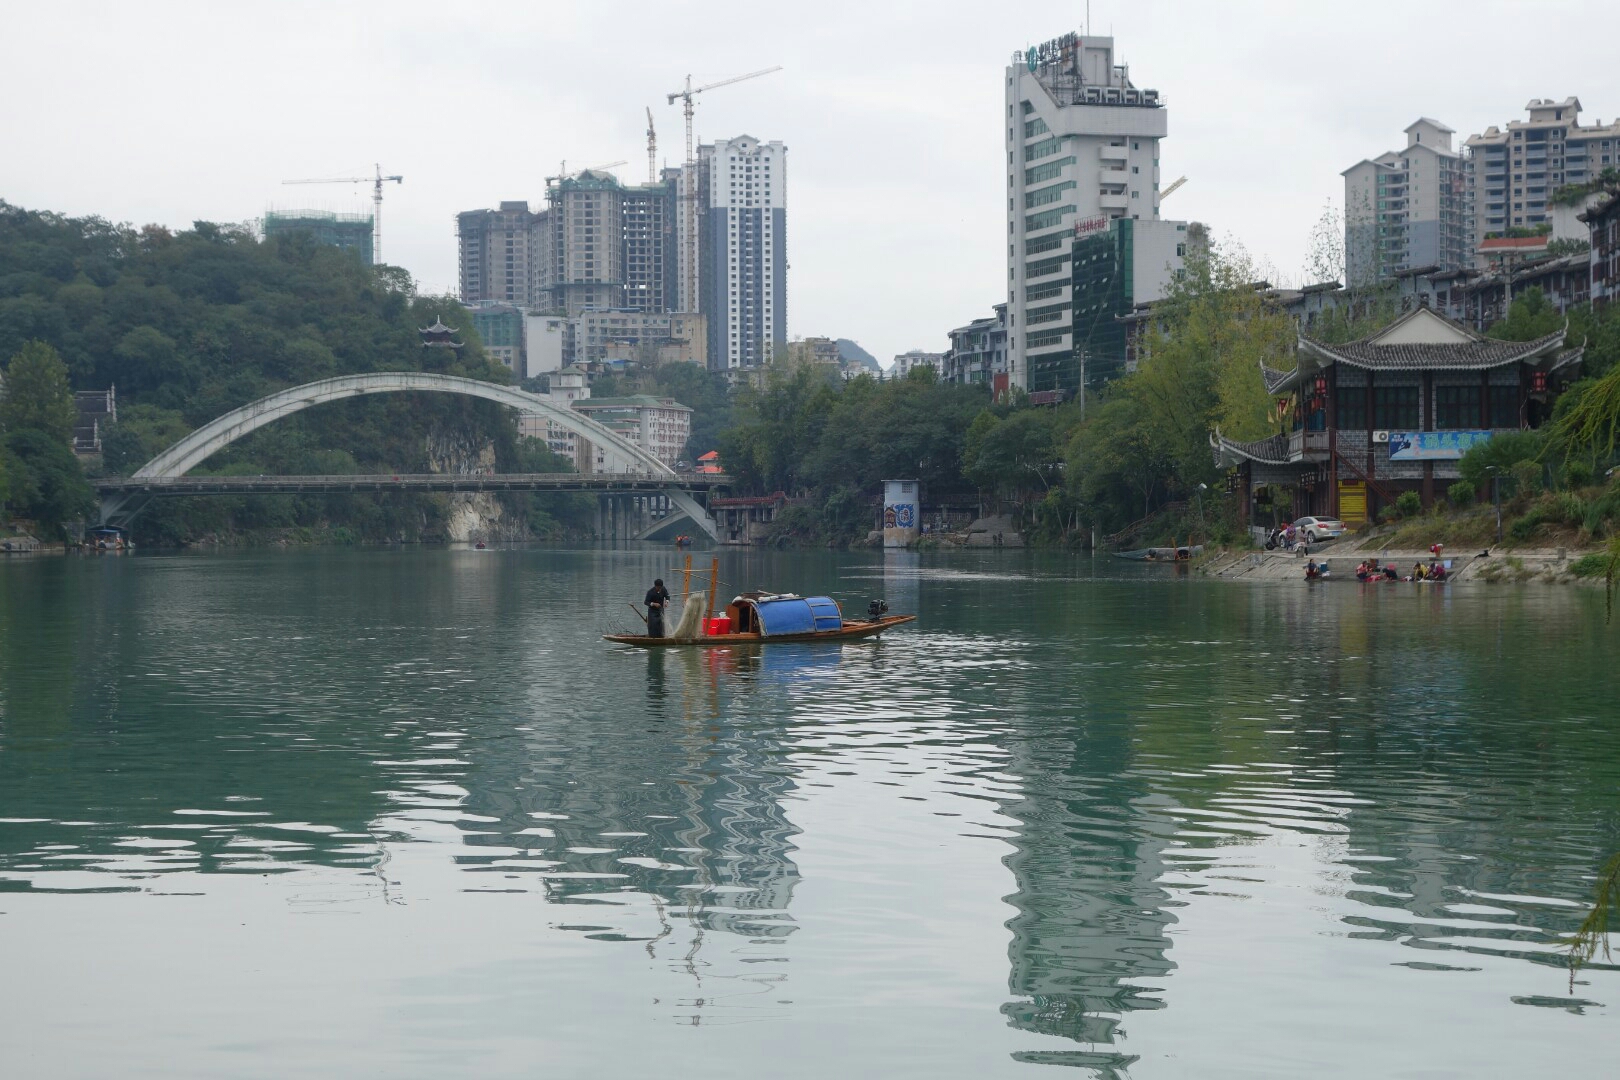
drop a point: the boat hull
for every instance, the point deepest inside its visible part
(850, 631)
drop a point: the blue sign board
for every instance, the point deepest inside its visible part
(1433, 445)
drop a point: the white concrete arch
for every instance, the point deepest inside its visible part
(621, 454)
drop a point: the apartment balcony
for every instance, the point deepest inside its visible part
(1118, 200)
(1112, 153)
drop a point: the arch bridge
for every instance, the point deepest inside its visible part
(124, 497)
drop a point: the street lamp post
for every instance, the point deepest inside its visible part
(1496, 497)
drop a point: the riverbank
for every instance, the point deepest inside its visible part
(1555, 565)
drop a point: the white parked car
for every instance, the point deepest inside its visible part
(1315, 529)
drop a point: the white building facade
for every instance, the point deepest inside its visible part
(743, 286)
(1082, 144)
(1517, 169)
(1408, 208)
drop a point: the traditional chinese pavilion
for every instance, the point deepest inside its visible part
(440, 336)
(1392, 412)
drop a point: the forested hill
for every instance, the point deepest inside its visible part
(188, 325)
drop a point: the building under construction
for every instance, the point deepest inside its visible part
(351, 231)
(598, 244)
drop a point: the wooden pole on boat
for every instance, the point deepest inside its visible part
(714, 584)
(686, 579)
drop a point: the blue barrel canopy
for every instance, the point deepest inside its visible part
(797, 615)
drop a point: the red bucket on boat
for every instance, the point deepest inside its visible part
(720, 624)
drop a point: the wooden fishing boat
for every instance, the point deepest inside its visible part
(1162, 554)
(759, 618)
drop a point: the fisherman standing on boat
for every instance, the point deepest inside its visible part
(657, 599)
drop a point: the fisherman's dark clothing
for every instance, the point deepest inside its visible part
(657, 598)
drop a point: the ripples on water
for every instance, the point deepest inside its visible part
(1098, 823)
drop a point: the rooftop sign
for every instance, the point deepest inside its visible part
(1050, 52)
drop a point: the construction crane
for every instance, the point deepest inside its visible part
(377, 182)
(689, 197)
(564, 174)
(1167, 192)
(652, 150)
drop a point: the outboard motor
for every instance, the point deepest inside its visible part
(877, 609)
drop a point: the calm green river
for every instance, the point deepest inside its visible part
(402, 813)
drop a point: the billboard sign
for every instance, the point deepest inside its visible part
(1433, 445)
(1090, 226)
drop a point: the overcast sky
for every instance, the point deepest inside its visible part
(170, 112)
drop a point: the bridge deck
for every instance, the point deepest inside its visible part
(612, 483)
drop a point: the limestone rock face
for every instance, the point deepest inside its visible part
(473, 515)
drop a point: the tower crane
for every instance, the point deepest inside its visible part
(1177, 182)
(689, 197)
(652, 150)
(377, 182)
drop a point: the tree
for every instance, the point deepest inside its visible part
(45, 479)
(37, 397)
(1530, 316)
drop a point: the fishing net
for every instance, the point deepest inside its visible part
(690, 626)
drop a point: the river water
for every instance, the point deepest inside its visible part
(402, 813)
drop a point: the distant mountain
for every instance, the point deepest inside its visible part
(851, 353)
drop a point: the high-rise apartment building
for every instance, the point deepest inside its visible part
(1408, 208)
(597, 244)
(742, 287)
(1082, 145)
(496, 254)
(1514, 171)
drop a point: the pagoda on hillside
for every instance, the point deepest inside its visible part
(440, 336)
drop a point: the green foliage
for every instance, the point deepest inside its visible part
(1460, 494)
(1591, 423)
(1561, 247)
(1408, 504)
(44, 480)
(1530, 316)
(1576, 473)
(804, 435)
(190, 325)
(140, 434)
(1498, 454)
(1526, 478)
(36, 396)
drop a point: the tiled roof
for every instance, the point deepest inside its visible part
(1463, 355)
(1271, 451)
(1273, 377)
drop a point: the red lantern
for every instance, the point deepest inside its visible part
(1321, 386)
(1282, 406)
(1538, 382)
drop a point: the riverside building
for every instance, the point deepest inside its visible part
(1516, 170)
(1082, 145)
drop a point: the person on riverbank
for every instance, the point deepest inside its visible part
(1418, 572)
(657, 600)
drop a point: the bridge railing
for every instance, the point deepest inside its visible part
(371, 481)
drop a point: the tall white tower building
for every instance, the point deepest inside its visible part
(1082, 150)
(743, 286)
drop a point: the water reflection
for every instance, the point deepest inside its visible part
(1143, 770)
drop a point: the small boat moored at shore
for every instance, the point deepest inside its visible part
(1162, 554)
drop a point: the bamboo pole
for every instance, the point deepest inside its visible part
(714, 584)
(686, 579)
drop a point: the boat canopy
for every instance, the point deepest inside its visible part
(796, 614)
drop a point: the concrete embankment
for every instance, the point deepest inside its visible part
(1524, 564)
